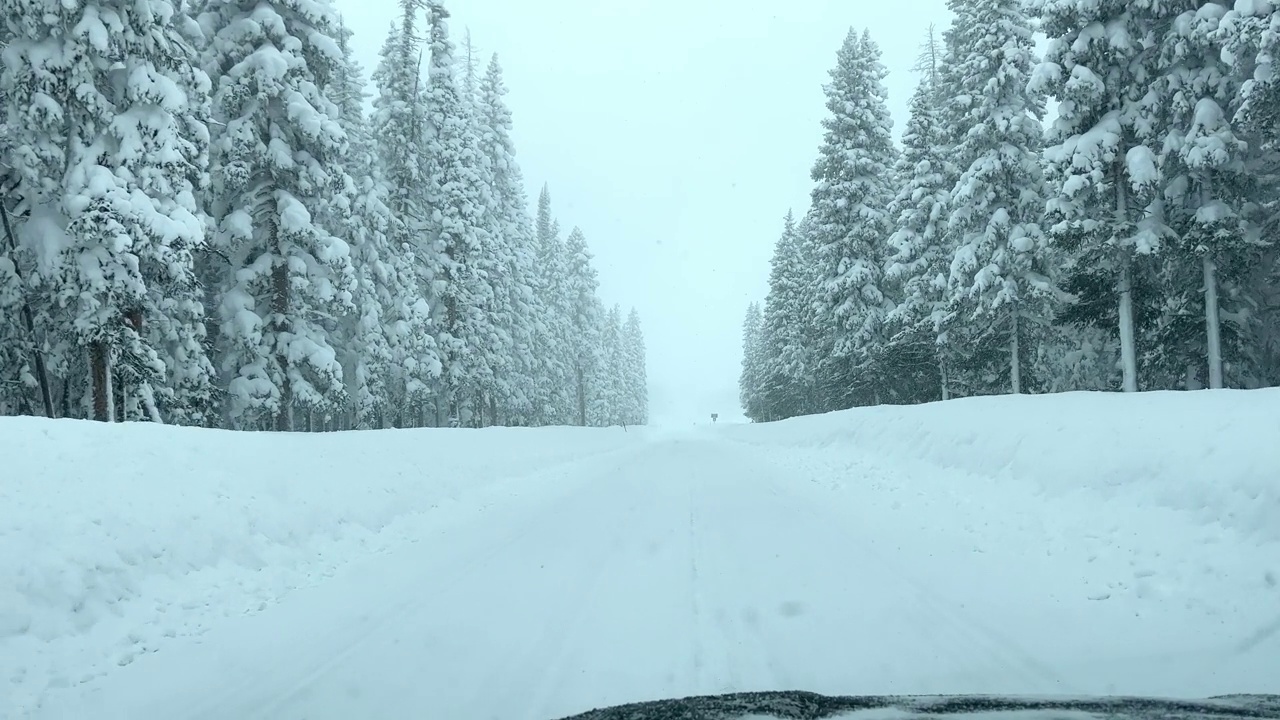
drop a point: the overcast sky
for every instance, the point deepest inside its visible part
(676, 134)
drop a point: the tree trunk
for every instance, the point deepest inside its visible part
(133, 395)
(117, 396)
(1015, 355)
(66, 397)
(149, 404)
(284, 415)
(942, 371)
(1191, 378)
(37, 360)
(1212, 321)
(100, 378)
(582, 396)
(280, 307)
(493, 410)
(128, 402)
(1128, 344)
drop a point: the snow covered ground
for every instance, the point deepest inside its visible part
(117, 539)
(1070, 544)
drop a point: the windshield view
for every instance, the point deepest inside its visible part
(496, 359)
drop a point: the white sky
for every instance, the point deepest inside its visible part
(676, 134)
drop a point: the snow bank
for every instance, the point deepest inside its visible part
(118, 536)
(1150, 520)
(1215, 454)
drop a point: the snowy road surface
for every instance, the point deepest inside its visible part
(694, 563)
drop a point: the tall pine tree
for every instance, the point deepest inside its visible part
(278, 164)
(749, 381)
(458, 197)
(919, 257)
(850, 198)
(584, 318)
(636, 408)
(415, 259)
(786, 370)
(1103, 173)
(1000, 273)
(1210, 191)
(106, 136)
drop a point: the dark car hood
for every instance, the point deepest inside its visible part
(811, 706)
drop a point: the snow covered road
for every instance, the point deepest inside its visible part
(695, 563)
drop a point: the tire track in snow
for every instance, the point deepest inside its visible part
(752, 666)
(710, 565)
(635, 639)
(548, 661)
(749, 663)
(939, 622)
(261, 695)
(388, 618)
(695, 600)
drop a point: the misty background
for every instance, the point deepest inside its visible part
(676, 136)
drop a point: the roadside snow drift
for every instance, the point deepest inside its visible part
(1148, 522)
(1215, 455)
(1081, 543)
(116, 537)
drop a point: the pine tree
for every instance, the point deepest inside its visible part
(555, 398)
(749, 394)
(1210, 186)
(919, 257)
(929, 64)
(106, 136)
(513, 234)
(1103, 172)
(496, 261)
(1250, 36)
(849, 203)
(584, 317)
(415, 259)
(637, 383)
(277, 165)
(31, 158)
(786, 370)
(456, 193)
(468, 64)
(359, 210)
(23, 368)
(608, 391)
(1000, 272)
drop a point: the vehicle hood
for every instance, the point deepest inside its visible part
(797, 705)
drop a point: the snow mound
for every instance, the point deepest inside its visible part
(1152, 517)
(1214, 454)
(119, 536)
